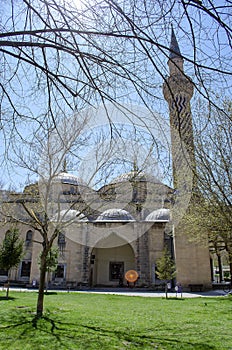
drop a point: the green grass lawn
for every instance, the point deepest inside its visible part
(91, 321)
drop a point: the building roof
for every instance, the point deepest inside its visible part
(67, 215)
(67, 178)
(115, 214)
(161, 214)
(139, 176)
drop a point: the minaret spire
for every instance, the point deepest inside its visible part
(175, 61)
(174, 47)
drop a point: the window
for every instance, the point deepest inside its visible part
(25, 269)
(61, 242)
(28, 240)
(59, 273)
(116, 270)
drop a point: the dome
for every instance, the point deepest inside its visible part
(139, 176)
(67, 178)
(115, 215)
(159, 215)
(69, 215)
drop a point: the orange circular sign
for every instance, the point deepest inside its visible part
(131, 276)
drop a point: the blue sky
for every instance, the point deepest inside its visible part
(30, 96)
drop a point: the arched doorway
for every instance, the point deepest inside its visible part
(109, 264)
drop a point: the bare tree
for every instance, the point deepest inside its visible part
(57, 57)
(39, 202)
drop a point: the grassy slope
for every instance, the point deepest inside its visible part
(90, 321)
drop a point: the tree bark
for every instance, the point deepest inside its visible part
(166, 290)
(229, 251)
(40, 300)
(8, 285)
(220, 268)
(230, 264)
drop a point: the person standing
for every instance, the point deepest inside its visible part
(178, 289)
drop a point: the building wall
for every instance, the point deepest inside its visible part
(192, 259)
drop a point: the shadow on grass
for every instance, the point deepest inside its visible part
(50, 293)
(143, 340)
(7, 298)
(26, 326)
(175, 298)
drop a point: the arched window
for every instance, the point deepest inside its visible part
(61, 241)
(28, 239)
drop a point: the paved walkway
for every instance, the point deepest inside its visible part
(132, 292)
(151, 294)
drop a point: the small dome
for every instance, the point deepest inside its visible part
(139, 176)
(159, 215)
(115, 215)
(69, 215)
(66, 178)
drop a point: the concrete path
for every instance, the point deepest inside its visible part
(131, 292)
(142, 293)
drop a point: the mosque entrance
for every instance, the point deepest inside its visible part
(108, 265)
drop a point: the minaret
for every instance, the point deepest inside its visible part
(178, 91)
(192, 259)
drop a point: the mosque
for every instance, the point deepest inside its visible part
(100, 246)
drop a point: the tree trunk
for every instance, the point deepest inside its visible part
(230, 264)
(7, 290)
(229, 251)
(40, 300)
(46, 278)
(166, 290)
(8, 285)
(220, 268)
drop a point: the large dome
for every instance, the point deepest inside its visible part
(159, 215)
(115, 214)
(139, 176)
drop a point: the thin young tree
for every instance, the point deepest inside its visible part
(166, 269)
(11, 252)
(39, 202)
